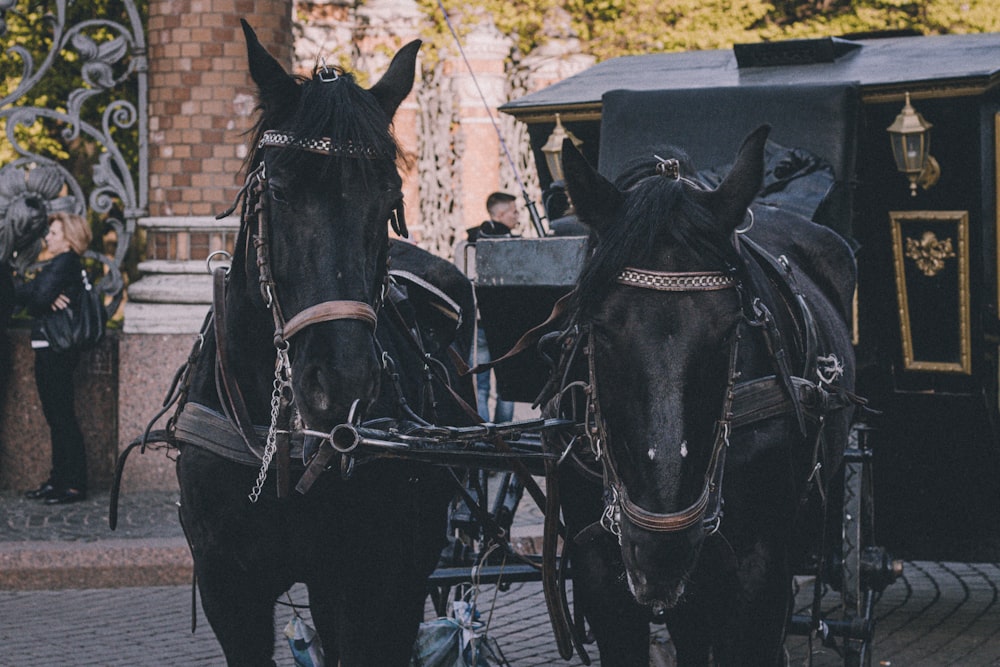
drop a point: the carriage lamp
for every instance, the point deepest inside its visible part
(553, 149)
(910, 137)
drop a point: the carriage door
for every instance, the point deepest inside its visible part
(927, 324)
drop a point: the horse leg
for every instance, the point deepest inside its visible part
(708, 604)
(241, 615)
(323, 608)
(753, 631)
(762, 642)
(619, 624)
(395, 530)
(234, 561)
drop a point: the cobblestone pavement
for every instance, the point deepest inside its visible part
(938, 614)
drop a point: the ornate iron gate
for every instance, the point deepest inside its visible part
(85, 153)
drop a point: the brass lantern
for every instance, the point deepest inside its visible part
(553, 149)
(910, 137)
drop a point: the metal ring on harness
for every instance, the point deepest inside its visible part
(749, 225)
(345, 438)
(211, 256)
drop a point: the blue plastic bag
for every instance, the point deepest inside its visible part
(456, 642)
(305, 645)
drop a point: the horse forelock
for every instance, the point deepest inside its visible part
(339, 110)
(657, 211)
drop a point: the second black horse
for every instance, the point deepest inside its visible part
(719, 373)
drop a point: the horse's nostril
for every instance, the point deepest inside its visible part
(317, 389)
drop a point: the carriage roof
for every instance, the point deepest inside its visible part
(926, 66)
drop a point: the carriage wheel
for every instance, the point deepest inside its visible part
(858, 522)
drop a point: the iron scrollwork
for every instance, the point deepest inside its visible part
(105, 54)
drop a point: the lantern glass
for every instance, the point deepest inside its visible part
(553, 160)
(910, 151)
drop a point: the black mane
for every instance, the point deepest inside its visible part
(340, 109)
(657, 211)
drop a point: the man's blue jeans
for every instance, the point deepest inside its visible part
(504, 411)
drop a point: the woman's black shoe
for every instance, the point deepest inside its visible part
(65, 496)
(42, 492)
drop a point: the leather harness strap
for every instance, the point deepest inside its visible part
(330, 310)
(230, 395)
(203, 427)
(765, 397)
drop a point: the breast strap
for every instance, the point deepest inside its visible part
(203, 427)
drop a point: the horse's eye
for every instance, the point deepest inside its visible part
(278, 195)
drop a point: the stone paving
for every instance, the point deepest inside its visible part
(72, 592)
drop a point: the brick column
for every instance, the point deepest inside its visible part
(201, 102)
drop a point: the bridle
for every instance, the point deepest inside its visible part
(326, 311)
(707, 508)
(256, 211)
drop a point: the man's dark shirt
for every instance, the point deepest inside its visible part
(488, 228)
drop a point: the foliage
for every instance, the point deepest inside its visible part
(610, 28)
(27, 27)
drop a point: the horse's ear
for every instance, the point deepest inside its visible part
(594, 197)
(276, 88)
(397, 81)
(737, 191)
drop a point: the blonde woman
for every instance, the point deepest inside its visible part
(57, 285)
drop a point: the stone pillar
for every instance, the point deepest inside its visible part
(486, 50)
(200, 105)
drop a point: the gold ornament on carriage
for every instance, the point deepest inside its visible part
(928, 253)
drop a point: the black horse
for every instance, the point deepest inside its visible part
(310, 332)
(719, 371)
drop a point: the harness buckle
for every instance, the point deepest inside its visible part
(668, 167)
(326, 73)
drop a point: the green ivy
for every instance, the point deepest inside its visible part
(611, 28)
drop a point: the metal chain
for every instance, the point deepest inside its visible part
(282, 381)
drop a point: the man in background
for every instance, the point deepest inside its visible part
(502, 210)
